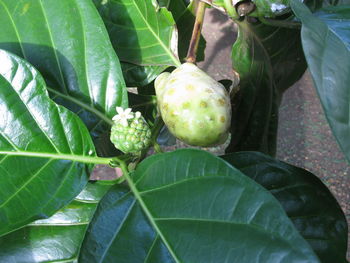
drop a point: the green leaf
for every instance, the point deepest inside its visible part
(142, 33)
(139, 76)
(307, 201)
(268, 59)
(190, 206)
(176, 7)
(326, 43)
(57, 238)
(43, 148)
(68, 43)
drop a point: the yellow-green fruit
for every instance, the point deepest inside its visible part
(195, 108)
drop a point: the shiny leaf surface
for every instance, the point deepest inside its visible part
(43, 148)
(149, 35)
(326, 43)
(190, 206)
(57, 238)
(67, 42)
(306, 200)
(139, 76)
(268, 59)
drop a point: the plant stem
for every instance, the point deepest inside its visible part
(158, 125)
(157, 148)
(196, 33)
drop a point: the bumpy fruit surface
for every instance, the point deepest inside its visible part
(130, 132)
(195, 107)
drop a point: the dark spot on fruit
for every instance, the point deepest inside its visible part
(221, 102)
(165, 106)
(203, 104)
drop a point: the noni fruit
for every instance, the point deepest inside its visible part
(130, 132)
(195, 108)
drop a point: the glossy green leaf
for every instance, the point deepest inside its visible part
(43, 148)
(57, 238)
(326, 43)
(268, 59)
(139, 76)
(306, 200)
(68, 43)
(190, 206)
(142, 33)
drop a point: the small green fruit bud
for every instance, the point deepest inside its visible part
(130, 132)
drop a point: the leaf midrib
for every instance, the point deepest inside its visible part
(177, 63)
(147, 212)
(82, 105)
(53, 46)
(25, 184)
(56, 156)
(14, 27)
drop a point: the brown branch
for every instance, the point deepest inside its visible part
(196, 33)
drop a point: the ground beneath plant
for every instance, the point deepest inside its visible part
(304, 136)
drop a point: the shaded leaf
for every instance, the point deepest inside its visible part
(165, 138)
(147, 104)
(67, 42)
(43, 148)
(326, 43)
(57, 238)
(139, 76)
(268, 59)
(190, 206)
(307, 201)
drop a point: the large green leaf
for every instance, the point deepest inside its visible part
(142, 33)
(67, 42)
(139, 76)
(58, 238)
(43, 148)
(326, 43)
(269, 59)
(306, 200)
(190, 206)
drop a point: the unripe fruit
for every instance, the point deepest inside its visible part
(130, 132)
(195, 108)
